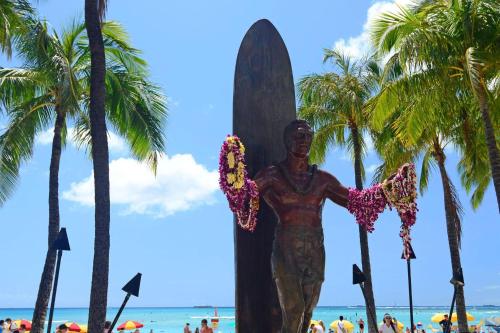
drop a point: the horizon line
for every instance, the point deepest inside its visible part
(232, 306)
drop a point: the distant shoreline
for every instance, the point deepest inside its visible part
(229, 307)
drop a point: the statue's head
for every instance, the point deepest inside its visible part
(298, 138)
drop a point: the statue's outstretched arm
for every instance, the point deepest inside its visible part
(337, 192)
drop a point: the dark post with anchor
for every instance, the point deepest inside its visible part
(131, 288)
(456, 280)
(60, 244)
(358, 277)
(408, 266)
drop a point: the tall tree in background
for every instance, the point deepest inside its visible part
(422, 122)
(333, 104)
(94, 12)
(52, 88)
(452, 41)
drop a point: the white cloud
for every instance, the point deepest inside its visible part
(45, 137)
(371, 168)
(172, 102)
(115, 143)
(180, 184)
(360, 45)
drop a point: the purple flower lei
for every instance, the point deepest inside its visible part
(241, 192)
(400, 192)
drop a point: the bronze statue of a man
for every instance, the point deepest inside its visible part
(296, 191)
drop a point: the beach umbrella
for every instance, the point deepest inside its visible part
(83, 329)
(347, 325)
(73, 327)
(130, 325)
(440, 316)
(313, 322)
(25, 322)
(437, 317)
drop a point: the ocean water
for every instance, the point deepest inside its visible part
(172, 320)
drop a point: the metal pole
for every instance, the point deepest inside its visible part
(119, 313)
(408, 265)
(54, 290)
(370, 310)
(451, 309)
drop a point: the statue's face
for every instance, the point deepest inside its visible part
(300, 141)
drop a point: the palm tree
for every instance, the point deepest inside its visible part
(421, 124)
(13, 17)
(94, 13)
(456, 41)
(333, 103)
(52, 88)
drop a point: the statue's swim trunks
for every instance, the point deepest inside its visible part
(299, 251)
(298, 263)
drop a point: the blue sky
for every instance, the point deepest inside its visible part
(177, 229)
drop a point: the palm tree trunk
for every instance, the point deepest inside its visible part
(452, 225)
(45, 286)
(100, 155)
(493, 152)
(363, 237)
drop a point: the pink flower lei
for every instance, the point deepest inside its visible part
(241, 192)
(399, 192)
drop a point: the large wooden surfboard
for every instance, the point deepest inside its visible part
(263, 104)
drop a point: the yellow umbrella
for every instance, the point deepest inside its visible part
(313, 322)
(440, 316)
(347, 325)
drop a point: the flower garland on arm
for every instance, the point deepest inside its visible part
(241, 192)
(399, 192)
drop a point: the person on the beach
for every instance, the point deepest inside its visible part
(187, 329)
(22, 328)
(9, 326)
(318, 328)
(62, 328)
(445, 324)
(205, 328)
(361, 324)
(197, 330)
(388, 325)
(340, 325)
(107, 325)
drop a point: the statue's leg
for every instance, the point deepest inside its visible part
(311, 294)
(287, 273)
(314, 274)
(291, 302)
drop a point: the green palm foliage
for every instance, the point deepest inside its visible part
(421, 124)
(13, 17)
(55, 80)
(333, 103)
(454, 44)
(52, 88)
